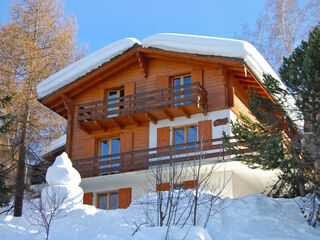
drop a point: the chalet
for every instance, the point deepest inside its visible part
(133, 107)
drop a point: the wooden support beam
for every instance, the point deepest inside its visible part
(185, 112)
(151, 118)
(134, 120)
(168, 114)
(100, 125)
(116, 122)
(143, 61)
(68, 102)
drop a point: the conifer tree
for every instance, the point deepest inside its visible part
(279, 140)
(6, 121)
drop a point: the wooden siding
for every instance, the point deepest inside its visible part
(160, 74)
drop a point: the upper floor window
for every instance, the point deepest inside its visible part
(108, 147)
(108, 200)
(185, 134)
(181, 81)
(112, 96)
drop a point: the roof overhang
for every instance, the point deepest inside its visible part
(228, 52)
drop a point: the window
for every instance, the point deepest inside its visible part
(108, 147)
(113, 94)
(108, 200)
(181, 81)
(178, 186)
(186, 134)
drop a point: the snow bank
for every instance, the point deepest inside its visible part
(173, 233)
(252, 217)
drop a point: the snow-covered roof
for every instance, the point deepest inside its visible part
(55, 144)
(85, 65)
(193, 44)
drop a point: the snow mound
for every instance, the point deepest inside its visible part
(173, 233)
(254, 217)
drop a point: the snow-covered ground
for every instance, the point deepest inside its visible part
(250, 217)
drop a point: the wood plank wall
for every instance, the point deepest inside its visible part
(84, 145)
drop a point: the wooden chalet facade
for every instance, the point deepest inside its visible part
(145, 107)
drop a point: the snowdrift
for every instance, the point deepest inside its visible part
(250, 217)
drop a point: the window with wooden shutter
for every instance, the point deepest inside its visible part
(179, 81)
(124, 197)
(205, 131)
(108, 200)
(114, 96)
(108, 147)
(185, 134)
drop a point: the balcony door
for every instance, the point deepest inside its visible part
(179, 82)
(108, 147)
(112, 96)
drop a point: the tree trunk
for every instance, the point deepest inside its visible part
(20, 183)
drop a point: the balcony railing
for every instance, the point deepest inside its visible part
(180, 96)
(146, 158)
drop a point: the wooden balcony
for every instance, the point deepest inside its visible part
(152, 157)
(142, 107)
(145, 159)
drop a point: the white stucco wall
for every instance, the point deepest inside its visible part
(233, 178)
(194, 119)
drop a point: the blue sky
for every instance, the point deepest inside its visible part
(104, 21)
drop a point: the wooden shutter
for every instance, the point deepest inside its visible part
(129, 89)
(126, 145)
(196, 76)
(163, 82)
(124, 200)
(190, 184)
(88, 198)
(88, 150)
(163, 187)
(163, 138)
(205, 131)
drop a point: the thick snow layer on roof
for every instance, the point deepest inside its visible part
(85, 65)
(221, 47)
(193, 44)
(55, 144)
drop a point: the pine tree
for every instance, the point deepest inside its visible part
(6, 121)
(276, 138)
(35, 43)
